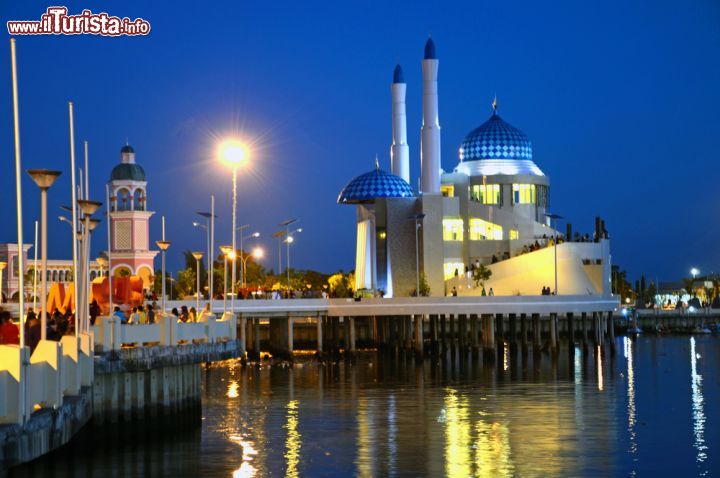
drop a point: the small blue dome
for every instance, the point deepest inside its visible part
(430, 50)
(495, 139)
(398, 76)
(127, 149)
(375, 184)
(127, 172)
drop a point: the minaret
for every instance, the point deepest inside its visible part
(399, 151)
(430, 138)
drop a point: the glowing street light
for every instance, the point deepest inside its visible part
(256, 254)
(163, 246)
(254, 235)
(694, 272)
(226, 251)
(235, 154)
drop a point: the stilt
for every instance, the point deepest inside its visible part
(500, 328)
(536, 333)
(336, 335)
(512, 333)
(488, 329)
(474, 336)
(243, 337)
(451, 332)
(319, 329)
(571, 329)
(443, 334)
(611, 331)
(434, 334)
(346, 333)
(256, 338)
(553, 334)
(523, 331)
(407, 332)
(352, 339)
(583, 319)
(596, 329)
(462, 333)
(418, 338)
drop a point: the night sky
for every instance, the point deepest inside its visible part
(620, 99)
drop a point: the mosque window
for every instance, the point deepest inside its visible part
(486, 193)
(482, 230)
(452, 229)
(514, 235)
(523, 194)
(449, 269)
(447, 190)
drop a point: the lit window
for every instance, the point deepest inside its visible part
(524, 193)
(447, 190)
(452, 229)
(514, 234)
(451, 267)
(486, 193)
(481, 230)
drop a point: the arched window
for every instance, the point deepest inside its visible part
(93, 274)
(49, 275)
(139, 200)
(54, 276)
(67, 276)
(123, 200)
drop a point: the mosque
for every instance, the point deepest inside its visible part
(492, 209)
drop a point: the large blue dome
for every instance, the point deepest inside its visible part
(495, 139)
(375, 184)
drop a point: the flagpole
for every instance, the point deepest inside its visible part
(74, 216)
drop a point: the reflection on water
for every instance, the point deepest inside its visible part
(621, 415)
(698, 412)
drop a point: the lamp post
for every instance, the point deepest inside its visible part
(163, 246)
(209, 227)
(35, 271)
(694, 272)
(88, 208)
(286, 225)
(242, 251)
(554, 218)
(44, 178)
(417, 218)
(235, 154)
(256, 253)
(198, 257)
(3, 265)
(226, 251)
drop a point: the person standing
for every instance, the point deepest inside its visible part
(9, 332)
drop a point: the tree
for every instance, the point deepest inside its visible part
(186, 283)
(481, 275)
(340, 284)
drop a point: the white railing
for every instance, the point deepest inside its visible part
(110, 334)
(58, 369)
(42, 379)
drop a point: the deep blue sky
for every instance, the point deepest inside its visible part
(620, 99)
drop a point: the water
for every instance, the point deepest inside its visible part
(652, 410)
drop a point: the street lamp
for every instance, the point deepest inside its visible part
(555, 217)
(3, 265)
(163, 246)
(226, 251)
(88, 208)
(233, 153)
(418, 224)
(256, 254)
(694, 272)
(209, 227)
(44, 178)
(198, 257)
(242, 251)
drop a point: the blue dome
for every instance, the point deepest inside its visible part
(127, 172)
(495, 139)
(375, 184)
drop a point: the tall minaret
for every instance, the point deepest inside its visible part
(399, 151)
(430, 138)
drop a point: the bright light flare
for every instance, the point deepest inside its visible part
(233, 152)
(258, 253)
(232, 255)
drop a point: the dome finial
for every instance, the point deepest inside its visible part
(430, 53)
(495, 104)
(377, 162)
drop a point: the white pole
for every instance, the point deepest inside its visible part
(74, 214)
(80, 176)
(164, 279)
(87, 173)
(86, 276)
(35, 272)
(212, 247)
(109, 248)
(197, 296)
(225, 285)
(234, 212)
(417, 260)
(18, 197)
(43, 287)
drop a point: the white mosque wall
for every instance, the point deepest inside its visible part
(578, 272)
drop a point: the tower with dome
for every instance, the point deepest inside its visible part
(492, 209)
(130, 220)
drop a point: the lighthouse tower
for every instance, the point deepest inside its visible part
(130, 220)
